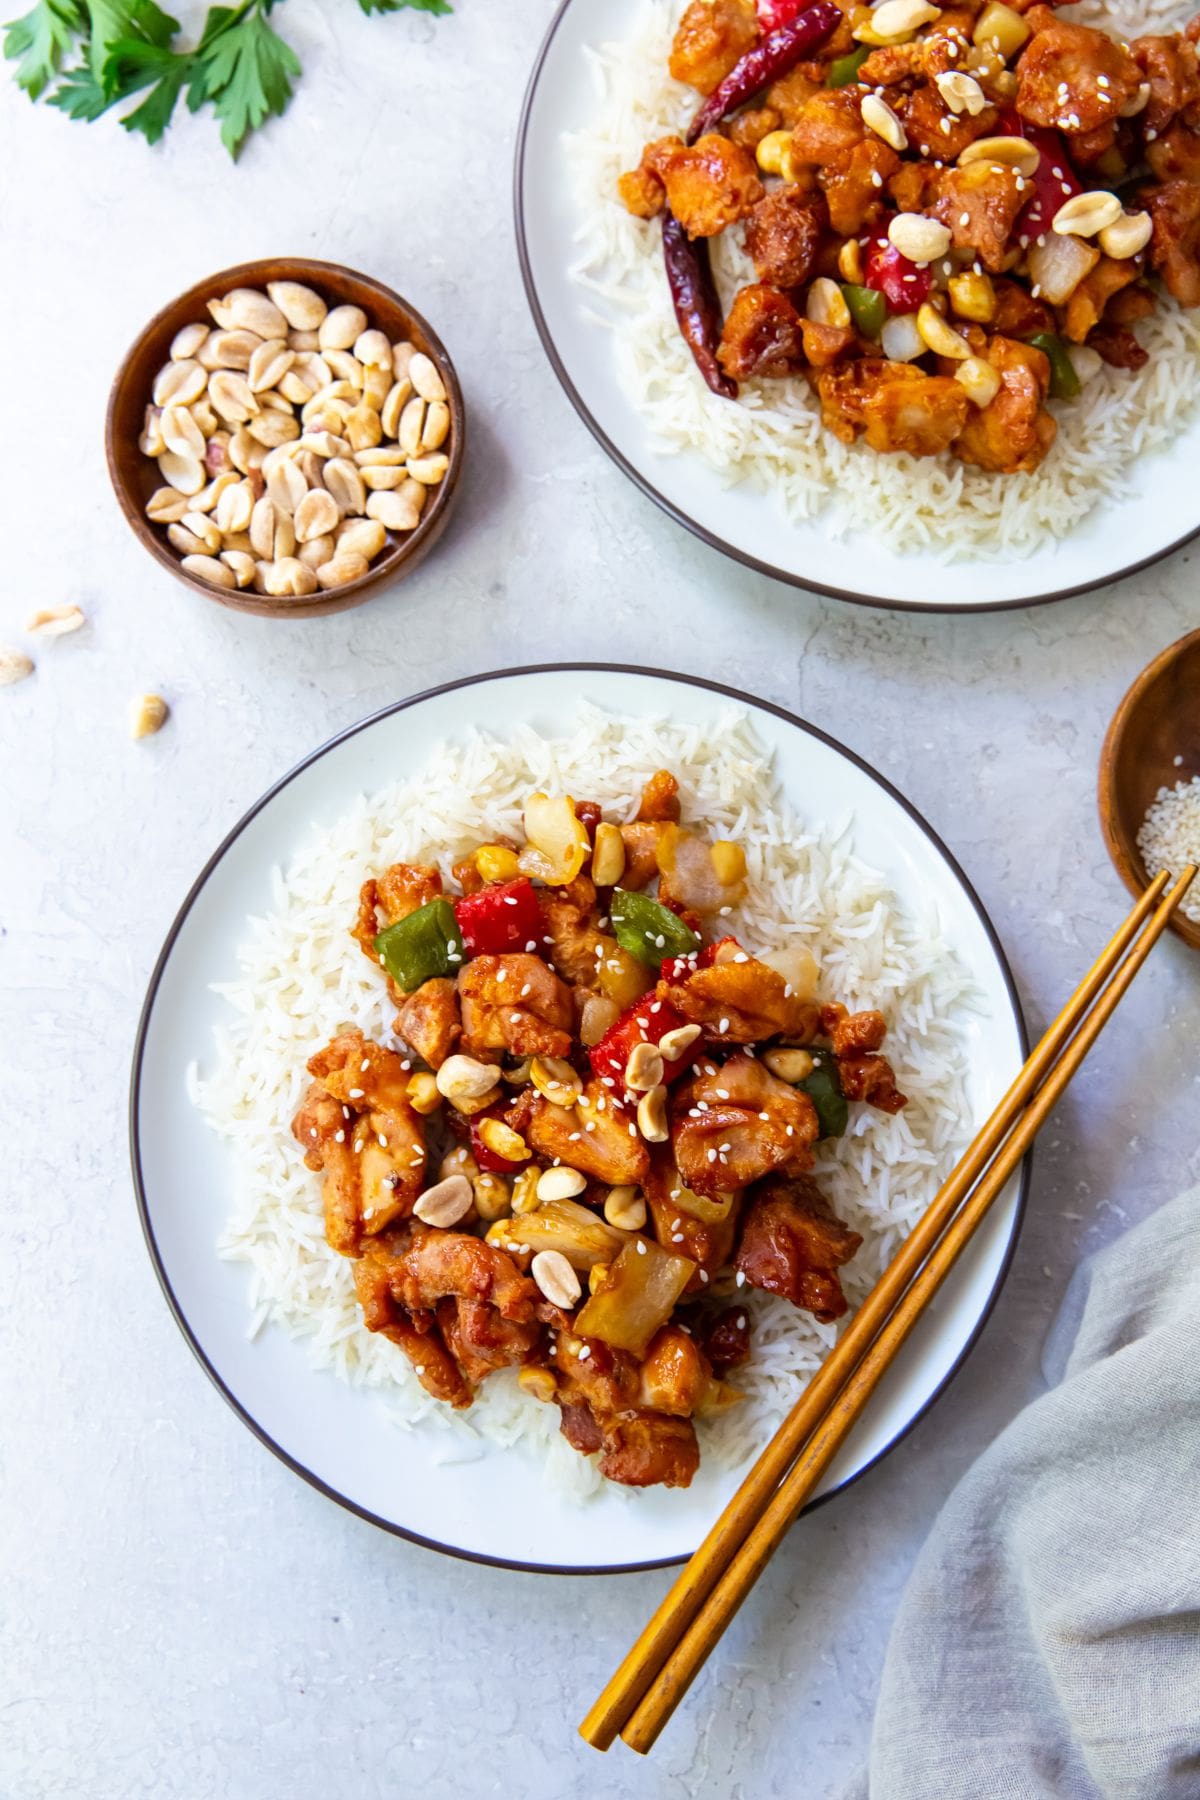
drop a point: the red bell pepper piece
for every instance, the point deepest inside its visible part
(772, 14)
(1052, 183)
(500, 918)
(645, 1022)
(903, 284)
(488, 1159)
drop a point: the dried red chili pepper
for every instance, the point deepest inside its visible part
(694, 297)
(770, 58)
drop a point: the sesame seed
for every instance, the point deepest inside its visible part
(532, 944)
(358, 1144)
(339, 1137)
(723, 1026)
(677, 1237)
(509, 899)
(741, 1279)
(419, 1367)
(382, 1141)
(740, 1322)
(356, 1093)
(712, 1156)
(641, 1247)
(585, 1352)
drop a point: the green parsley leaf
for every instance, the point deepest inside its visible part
(134, 66)
(80, 95)
(38, 42)
(437, 7)
(244, 68)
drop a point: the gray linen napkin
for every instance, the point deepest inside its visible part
(1048, 1643)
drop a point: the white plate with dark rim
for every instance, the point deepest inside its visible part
(497, 1509)
(1160, 511)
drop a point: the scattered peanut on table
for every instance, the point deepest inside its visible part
(292, 438)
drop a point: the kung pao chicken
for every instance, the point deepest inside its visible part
(954, 211)
(602, 1130)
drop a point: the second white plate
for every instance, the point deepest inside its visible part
(1160, 509)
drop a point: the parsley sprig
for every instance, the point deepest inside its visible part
(241, 67)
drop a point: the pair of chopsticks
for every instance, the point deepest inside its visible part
(661, 1666)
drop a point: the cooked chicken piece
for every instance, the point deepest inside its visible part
(889, 66)
(660, 799)
(851, 1033)
(707, 1245)
(1175, 246)
(1087, 304)
(1130, 305)
(829, 124)
(578, 1425)
(514, 1003)
(922, 417)
(853, 185)
(979, 202)
(649, 1449)
(761, 335)
(576, 946)
(676, 1376)
(742, 1001)
(710, 184)
(373, 1156)
(793, 1244)
(712, 36)
(914, 186)
(788, 95)
(843, 391)
(1170, 65)
(871, 1078)
(458, 1307)
(1018, 314)
(435, 1265)
(326, 1133)
(725, 1339)
(855, 1038)
(399, 891)
(481, 1340)
(1118, 347)
(606, 1379)
(734, 1125)
(597, 1137)
(934, 131)
(750, 127)
(783, 236)
(429, 1021)
(641, 855)
(642, 193)
(1061, 55)
(1175, 155)
(465, 874)
(1012, 433)
(435, 1368)
(825, 345)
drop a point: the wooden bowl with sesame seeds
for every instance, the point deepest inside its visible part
(134, 475)
(1152, 743)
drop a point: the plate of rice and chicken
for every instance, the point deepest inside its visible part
(900, 303)
(520, 1109)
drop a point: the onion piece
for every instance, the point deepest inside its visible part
(709, 1212)
(1057, 265)
(578, 1232)
(798, 966)
(900, 340)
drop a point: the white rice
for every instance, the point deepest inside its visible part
(301, 978)
(773, 436)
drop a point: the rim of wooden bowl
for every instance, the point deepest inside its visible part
(1120, 841)
(131, 390)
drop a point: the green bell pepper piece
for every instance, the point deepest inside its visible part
(427, 943)
(868, 308)
(824, 1089)
(1064, 382)
(844, 69)
(649, 930)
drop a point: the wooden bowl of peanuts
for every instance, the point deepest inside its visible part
(286, 437)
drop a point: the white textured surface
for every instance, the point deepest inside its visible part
(181, 1616)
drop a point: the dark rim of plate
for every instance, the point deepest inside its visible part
(143, 1203)
(685, 519)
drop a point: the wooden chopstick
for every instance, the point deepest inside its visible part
(677, 1639)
